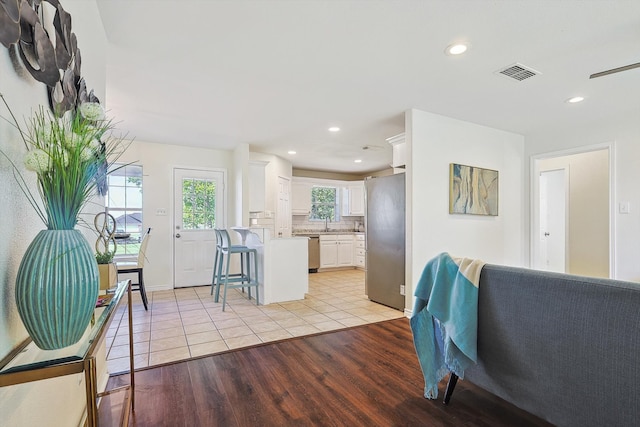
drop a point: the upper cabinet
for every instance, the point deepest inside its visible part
(399, 148)
(300, 198)
(257, 186)
(355, 197)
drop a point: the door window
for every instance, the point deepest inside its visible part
(198, 204)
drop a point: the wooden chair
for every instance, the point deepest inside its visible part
(137, 267)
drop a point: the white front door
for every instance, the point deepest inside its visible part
(553, 218)
(283, 214)
(198, 209)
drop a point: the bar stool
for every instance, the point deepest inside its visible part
(246, 278)
(219, 259)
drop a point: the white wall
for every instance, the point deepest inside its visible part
(434, 142)
(19, 223)
(59, 401)
(92, 41)
(158, 162)
(241, 190)
(624, 133)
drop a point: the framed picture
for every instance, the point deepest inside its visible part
(473, 190)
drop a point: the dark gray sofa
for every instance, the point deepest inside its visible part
(565, 348)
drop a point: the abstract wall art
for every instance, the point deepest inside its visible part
(473, 190)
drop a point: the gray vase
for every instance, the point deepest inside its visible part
(57, 288)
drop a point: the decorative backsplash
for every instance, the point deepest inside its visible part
(302, 224)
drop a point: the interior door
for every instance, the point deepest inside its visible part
(283, 213)
(553, 218)
(198, 209)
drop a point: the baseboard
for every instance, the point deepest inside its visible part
(157, 288)
(408, 313)
(327, 269)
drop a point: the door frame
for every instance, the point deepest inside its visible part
(225, 209)
(534, 202)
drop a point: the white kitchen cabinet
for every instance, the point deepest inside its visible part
(345, 250)
(300, 198)
(399, 150)
(356, 199)
(336, 250)
(257, 186)
(359, 252)
(328, 251)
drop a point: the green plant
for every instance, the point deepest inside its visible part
(104, 257)
(70, 155)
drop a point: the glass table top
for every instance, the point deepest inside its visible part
(32, 357)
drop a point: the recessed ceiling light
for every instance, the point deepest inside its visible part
(291, 152)
(457, 48)
(334, 129)
(575, 99)
(357, 161)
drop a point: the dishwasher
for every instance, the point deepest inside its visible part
(314, 253)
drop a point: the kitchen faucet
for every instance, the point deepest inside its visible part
(326, 223)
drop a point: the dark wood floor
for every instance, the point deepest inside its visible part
(364, 376)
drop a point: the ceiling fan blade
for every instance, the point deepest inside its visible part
(615, 70)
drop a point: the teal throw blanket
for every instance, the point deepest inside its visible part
(445, 318)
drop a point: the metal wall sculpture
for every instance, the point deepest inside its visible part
(57, 66)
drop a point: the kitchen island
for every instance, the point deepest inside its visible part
(282, 264)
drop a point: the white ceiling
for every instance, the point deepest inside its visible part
(277, 74)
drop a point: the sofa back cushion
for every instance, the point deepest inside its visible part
(563, 347)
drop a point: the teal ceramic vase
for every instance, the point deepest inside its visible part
(57, 288)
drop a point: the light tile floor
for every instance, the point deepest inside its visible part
(185, 323)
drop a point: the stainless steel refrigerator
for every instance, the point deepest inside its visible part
(385, 243)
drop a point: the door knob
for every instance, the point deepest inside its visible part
(177, 235)
(546, 234)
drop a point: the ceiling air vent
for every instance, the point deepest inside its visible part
(518, 72)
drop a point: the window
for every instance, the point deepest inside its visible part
(124, 202)
(198, 204)
(324, 203)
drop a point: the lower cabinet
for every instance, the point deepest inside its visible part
(359, 252)
(345, 251)
(328, 251)
(336, 250)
